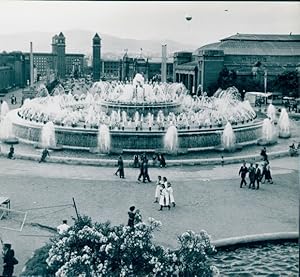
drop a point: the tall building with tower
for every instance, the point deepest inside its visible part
(59, 49)
(96, 57)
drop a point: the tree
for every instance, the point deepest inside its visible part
(99, 249)
(287, 83)
(227, 78)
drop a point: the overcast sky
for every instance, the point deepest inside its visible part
(210, 22)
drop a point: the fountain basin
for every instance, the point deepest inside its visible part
(264, 142)
(11, 141)
(284, 135)
(86, 138)
(221, 148)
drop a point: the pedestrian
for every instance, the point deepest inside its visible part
(45, 153)
(146, 173)
(171, 195)
(12, 99)
(257, 175)
(135, 161)
(264, 154)
(251, 171)
(120, 169)
(263, 168)
(63, 227)
(158, 189)
(268, 176)
(131, 216)
(162, 161)
(164, 198)
(142, 164)
(11, 152)
(9, 260)
(243, 171)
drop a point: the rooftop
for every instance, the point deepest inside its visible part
(256, 44)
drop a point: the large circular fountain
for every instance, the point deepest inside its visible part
(137, 115)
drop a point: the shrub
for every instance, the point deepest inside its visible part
(99, 249)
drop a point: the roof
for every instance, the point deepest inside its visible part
(247, 44)
(187, 66)
(158, 60)
(96, 37)
(61, 35)
(264, 37)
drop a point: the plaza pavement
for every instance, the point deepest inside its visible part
(207, 198)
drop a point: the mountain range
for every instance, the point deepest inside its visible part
(80, 41)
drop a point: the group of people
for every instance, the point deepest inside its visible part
(44, 155)
(156, 158)
(164, 194)
(257, 173)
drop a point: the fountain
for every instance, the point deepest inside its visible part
(284, 124)
(228, 138)
(104, 141)
(4, 109)
(137, 109)
(6, 131)
(48, 139)
(268, 133)
(271, 112)
(171, 140)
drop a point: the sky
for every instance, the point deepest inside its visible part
(211, 21)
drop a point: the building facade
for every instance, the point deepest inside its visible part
(246, 54)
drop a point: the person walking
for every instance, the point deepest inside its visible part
(171, 195)
(268, 176)
(131, 216)
(243, 171)
(251, 171)
(257, 175)
(9, 260)
(120, 169)
(45, 153)
(263, 168)
(146, 173)
(11, 152)
(162, 160)
(164, 198)
(135, 161)
(264, 154)
(158, 189)
(142, 171)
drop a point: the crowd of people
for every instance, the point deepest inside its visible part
(260, 173)
(164, 194)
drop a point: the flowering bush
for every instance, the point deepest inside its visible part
(99, 249)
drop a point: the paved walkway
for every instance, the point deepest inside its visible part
(207, 198)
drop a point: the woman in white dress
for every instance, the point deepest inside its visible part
(158, 189)
(171, 195)
(164, 196)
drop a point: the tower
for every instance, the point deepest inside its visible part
(59, 49)
(164, 63)
(96, 57)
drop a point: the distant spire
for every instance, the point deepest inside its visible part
(61, 35)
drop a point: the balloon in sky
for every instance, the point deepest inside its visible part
(188, 17)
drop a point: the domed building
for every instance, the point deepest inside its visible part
(246, 54)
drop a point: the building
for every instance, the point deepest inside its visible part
(149, 67)
(111, 69)
(13, 70)
(257, 56)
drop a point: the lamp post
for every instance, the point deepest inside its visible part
(265, 84)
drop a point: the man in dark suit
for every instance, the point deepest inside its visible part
(9, 260)
(257, 175)
(243, 171)
(251, 171)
